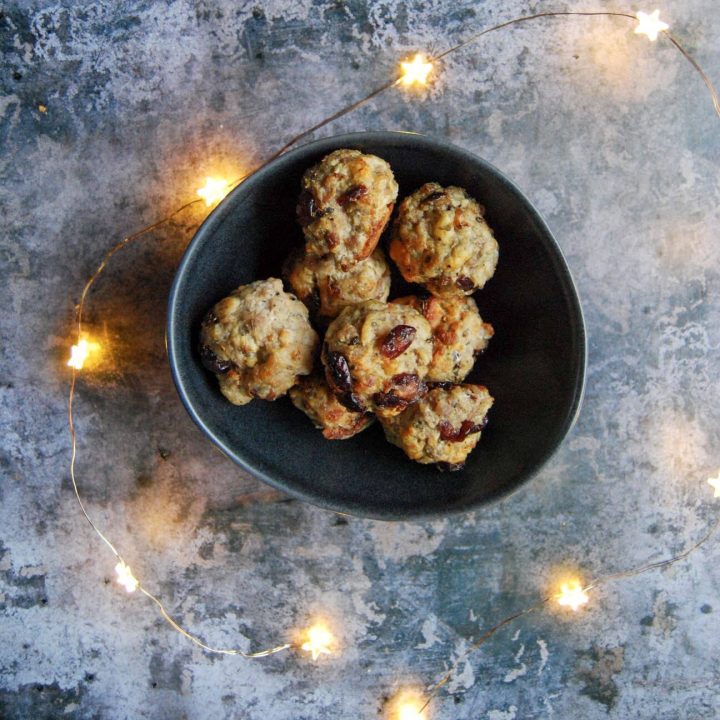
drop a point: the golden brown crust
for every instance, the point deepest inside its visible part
(257, 341)
(376, 356)
(313, 396)
(441, 240)
(347, 200)
(459, 334)
(442, 427)
(326, 289)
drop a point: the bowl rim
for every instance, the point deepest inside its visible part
(328, 144)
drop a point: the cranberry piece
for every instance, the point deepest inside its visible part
(389, 400)
(465, 283)
(449, 434)
(339, 372)
(432, 196)
(352, 195)
(213, 363)
(306, 209)
(397, 341)
(441, 384)
(407, 389)
(350, 401)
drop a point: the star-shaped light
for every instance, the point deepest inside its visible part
(319, 641)
(214, 190)
(572, 595)
(125, 577)
(715, 482)
(416, 71)
(650, 25)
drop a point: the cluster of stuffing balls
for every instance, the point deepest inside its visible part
(402, 362)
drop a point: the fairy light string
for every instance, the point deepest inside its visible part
(318, 639)
(573, 595)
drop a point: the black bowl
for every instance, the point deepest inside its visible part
(534, 366)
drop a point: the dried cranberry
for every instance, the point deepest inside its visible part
(397, 341)
(465, 283)
(407, 388)
(389, 400)
(432, 196)
(449, 434)
(351, 402)
(213, 363)
(339, 372)
(440, 384)
(403, 380)
(306, 209)
(352, 195)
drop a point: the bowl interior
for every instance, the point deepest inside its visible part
(534, 366)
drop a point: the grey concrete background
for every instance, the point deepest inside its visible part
(616, 142)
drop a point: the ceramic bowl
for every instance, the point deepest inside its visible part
(534, 366)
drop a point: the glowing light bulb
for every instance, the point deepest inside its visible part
(715, 483)
(213, 191)
(319, 641)
(572, 595)
(78, 354)
(416, 71)
(410, 711)
(650, 25)
(125, 577)
(407, 704)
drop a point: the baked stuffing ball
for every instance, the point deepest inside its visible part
(376, 356)
(346, 201)
(441, 241)
(257, 341)
(459, 334)
(443, 427)
(326, 289)
(313, 396)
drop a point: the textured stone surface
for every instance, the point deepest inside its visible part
(616, 142)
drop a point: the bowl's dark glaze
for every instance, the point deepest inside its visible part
(534, 366)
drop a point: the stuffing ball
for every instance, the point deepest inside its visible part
(257, 341)
(441, 241)
(459, 334)
(346, 201)
(443, 427)
(376, 356)
(326, 289)
(313, 396)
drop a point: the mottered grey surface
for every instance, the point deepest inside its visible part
(616, 142)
